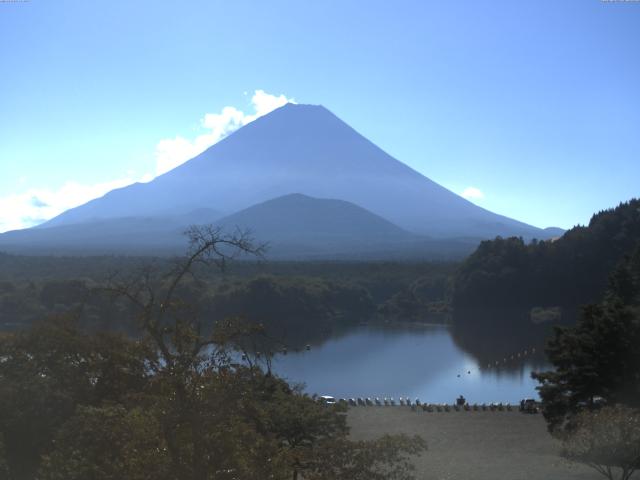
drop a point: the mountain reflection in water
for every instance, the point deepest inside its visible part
(416, 361)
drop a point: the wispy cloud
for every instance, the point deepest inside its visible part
(172, 152)
(472, 193)
(36, 205)
(33, 206)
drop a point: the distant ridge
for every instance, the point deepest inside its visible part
(293, 226)
(124, 235)
(554, 232)
(300, 218)
(300, 225)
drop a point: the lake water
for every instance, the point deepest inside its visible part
(407, 361)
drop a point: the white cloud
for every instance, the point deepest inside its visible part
(472, 193)
(36, 205)
(33, 206)
(172, 152)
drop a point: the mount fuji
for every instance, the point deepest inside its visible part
(296, 149)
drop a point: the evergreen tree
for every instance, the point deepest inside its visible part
(599, 357)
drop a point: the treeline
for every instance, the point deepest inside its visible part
(293, 310)
(382, 279)
(571, 271)
(297, 303)
(298, 306)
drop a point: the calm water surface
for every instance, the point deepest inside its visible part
(415, 361)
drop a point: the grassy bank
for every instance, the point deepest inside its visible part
(473, 445)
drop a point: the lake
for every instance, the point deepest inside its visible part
(408, 361)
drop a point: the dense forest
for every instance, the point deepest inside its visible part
(573, 270)
(297, 302)
(508, 295)
(598, 358)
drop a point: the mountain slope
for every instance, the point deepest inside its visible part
(306, 149)
(122, 235)
(302, 219)
(293, 226)
(300, 227)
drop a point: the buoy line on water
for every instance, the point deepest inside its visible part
(405, 401)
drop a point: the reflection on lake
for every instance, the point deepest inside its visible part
(413, 361)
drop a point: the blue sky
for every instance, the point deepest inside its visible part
(531, 107)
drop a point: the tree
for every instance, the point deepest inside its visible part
(108, 443)
(48, 371)
(221, 419)
(190, 354)
(568, 272)
(607, 440)
(174, 402)
(301, 426)
(599, 357)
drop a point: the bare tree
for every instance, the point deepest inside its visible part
(210, 407)
(607, 440)
(188, 350)
(170, 322)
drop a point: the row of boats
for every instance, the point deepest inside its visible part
(429, 407)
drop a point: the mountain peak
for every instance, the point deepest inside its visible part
(306, 149)
(303, 106)
(295, 217)
(304, 113)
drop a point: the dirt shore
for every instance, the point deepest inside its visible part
(473, 445)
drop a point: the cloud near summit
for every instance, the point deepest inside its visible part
(33, 206)
(172, 152)
(472, 193)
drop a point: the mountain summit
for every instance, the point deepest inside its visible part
(297, 149)
(304, 149)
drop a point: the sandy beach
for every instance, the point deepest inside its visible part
(473, 445)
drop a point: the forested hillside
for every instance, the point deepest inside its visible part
(568, 272)
(297, 302)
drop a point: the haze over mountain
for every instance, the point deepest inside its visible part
(300, 226)
(301, 149)
(300, 218)
(155, 235)
(293, 226)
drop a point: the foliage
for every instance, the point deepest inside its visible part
(567, 272)
(424, 299)
(50, 370)
(599, 357)
(170, 402)
(606, 440)
(292, 308)
(296, 302)
(108, 443)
